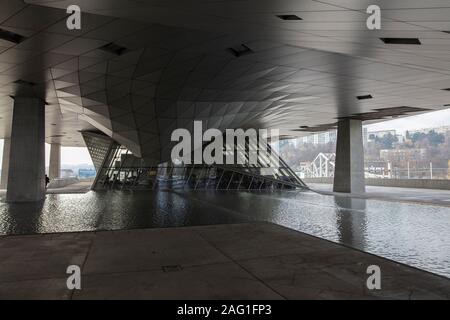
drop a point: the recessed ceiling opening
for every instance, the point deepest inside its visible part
(240, 50)
(114, 49)
(24, 82)
(365, 97)
(401, 41)
(11, 36)
(289, 17)
(383, 113)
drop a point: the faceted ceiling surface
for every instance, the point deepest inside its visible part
(139, 69)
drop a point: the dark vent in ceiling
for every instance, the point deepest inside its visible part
(11, 36)
(114, 49)
(377, 114)
(401, 40)
(446, 31)
(365, 97)
(289, 17)
(172, 268)
(28, 83)
(240, 50)
(446, 89)
(319, 128)
(382, 113)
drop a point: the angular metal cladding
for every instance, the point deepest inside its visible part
(136, 78)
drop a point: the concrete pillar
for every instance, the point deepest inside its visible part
(5, 163)
(349, 168)
(54, 169)
(26, 180)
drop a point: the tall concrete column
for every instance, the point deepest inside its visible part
(26, 179)
(54, 169)
(5, 163)
(349, 168)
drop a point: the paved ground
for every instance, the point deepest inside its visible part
(428, 196)
(235, 261)
(80, 187)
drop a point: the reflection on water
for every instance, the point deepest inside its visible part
(351, 221)
(107, 211)
(418, 235)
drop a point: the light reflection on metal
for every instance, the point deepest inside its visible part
(122, 170)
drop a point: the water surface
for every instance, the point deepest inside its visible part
(414, 234)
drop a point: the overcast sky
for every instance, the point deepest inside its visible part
(69, 156)
(426, 120)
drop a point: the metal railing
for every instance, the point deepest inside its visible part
(193, 177)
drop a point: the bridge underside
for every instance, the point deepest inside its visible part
(137, 73)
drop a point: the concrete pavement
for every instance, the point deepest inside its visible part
(425, 196)
(80, 187)
(234, 261)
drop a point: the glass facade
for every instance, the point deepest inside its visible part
(121, 170)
